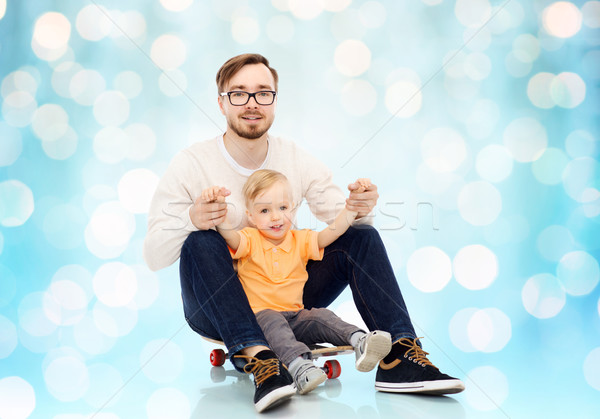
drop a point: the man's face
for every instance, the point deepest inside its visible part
(250, 120)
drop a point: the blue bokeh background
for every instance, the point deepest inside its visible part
(478, 120)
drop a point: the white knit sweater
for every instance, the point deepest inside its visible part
(208, 163)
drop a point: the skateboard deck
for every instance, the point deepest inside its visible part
(331, 367)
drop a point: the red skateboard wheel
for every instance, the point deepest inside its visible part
(217, 357)
(332, 368)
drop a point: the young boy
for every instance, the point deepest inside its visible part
(272, 268)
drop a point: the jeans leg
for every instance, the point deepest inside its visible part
(280, 336)
(359, 259)
(214, 302)
(320, 325)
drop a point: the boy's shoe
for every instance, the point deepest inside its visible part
(371, 348)
(407, 370)
(308, 377)
(273, 382)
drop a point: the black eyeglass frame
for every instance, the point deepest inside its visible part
(250, 95)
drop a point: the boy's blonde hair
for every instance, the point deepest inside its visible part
(260, 181)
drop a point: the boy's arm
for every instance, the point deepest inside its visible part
(343, 220)
(232, 237)
(225, 229)
(334, 230)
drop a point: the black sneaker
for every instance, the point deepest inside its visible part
(273, 382)
(407, 370)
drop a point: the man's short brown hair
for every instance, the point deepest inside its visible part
(235, 64)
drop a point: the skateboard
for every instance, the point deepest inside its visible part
(331, 367)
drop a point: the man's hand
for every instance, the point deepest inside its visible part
(363, 197)
(210, 209)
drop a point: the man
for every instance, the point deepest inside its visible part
(181, 225)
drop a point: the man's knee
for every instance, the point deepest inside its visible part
(363, 233)
(203, 239)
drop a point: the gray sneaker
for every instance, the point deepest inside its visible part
(308, 377)
(371, 349)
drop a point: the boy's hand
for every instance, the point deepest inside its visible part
(213, 193)
(363, 197)
(210, 209)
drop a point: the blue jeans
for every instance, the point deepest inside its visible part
(215, 305)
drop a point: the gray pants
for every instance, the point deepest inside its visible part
(289, 332)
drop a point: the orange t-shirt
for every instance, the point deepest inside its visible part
(273, 277)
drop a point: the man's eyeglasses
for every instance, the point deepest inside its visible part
(240, 98)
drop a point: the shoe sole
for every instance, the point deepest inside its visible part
(275, 398)
(423, 387)
(313, 384)
(376, 348)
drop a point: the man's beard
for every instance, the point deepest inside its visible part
(250, 133)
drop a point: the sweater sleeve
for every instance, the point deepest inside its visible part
(325, 199)
(169, 222)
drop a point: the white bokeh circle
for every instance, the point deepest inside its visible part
(429, 269)
(306, 9)
(543, 296)
(578, 272)
(111, 108)
(494, 163)
(548, 169)
(579, 179)
(489, 330)
(65, 302)
(473, 13)
(168, 52)
(245, 30)
(16, 203)
(526, 139)
(67, 378)
(568, 90)
(115, 284)
(17, 398)
(591, 368)
(443, 149)
(92, 22)
(8, 337)
(554, 242)
(475, 267)
(479, 203)
(86, 86)
(352, 58)
(176, 5)
(403, 99)
(115, 322)
(110, 229)
(562, 19)
(358, 97)
(136, 189)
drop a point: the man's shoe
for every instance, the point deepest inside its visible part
(371, 348)
(407, 370)
(308, 377)
(273, 382)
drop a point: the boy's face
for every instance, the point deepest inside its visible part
(250, 120)
(271, 212)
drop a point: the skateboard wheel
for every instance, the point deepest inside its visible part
(217, 357)
(332, 368)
